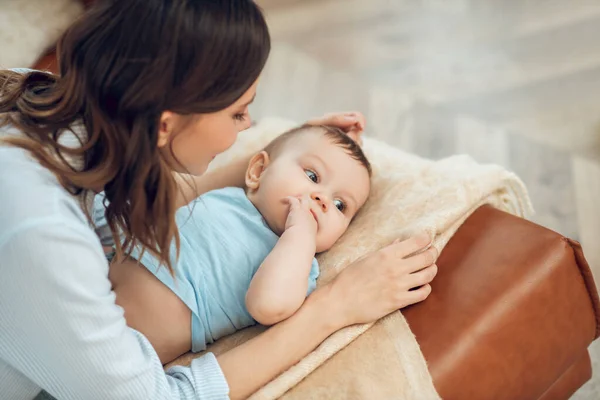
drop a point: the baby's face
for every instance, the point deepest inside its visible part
(311, 165)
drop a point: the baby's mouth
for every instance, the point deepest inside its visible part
(314, 214)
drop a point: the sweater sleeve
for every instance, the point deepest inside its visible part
(62, 329)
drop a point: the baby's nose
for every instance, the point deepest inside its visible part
(321, 201)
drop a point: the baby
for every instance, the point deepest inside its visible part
(247, 256)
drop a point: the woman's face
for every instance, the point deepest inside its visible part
(190, 143)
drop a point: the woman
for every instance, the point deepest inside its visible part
(147, 87)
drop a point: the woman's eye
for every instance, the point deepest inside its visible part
(312, 175)
(339, 204)
(240, 117)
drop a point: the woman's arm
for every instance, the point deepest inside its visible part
(61, 328)
(281, 346)
(370, 288)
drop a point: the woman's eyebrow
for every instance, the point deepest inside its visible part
(248, 102)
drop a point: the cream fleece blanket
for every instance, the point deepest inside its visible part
(30, 27)
(409, 195)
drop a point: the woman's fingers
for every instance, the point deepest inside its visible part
(422, 277)
(400, 250)
(360, 119)
(342, 120)
(421, 260)
(355, 135)
(417, 295)
(385, 281)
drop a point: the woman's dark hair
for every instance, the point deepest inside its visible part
(121, 65)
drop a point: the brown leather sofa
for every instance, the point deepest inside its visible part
(513, 310)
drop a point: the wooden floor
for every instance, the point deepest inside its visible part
(512, 82)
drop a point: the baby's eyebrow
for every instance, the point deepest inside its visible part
(320, 161)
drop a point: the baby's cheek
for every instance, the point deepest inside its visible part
(326, 238)
(279, 213)
(342, 228)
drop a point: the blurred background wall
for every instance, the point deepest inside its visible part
(511, 82)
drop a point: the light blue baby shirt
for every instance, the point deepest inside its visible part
(224, 240)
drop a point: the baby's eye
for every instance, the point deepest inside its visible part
(339, 204)
(312, 175)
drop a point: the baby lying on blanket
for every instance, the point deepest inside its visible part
(247, 256)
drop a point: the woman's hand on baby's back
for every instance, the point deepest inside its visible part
(384, 281)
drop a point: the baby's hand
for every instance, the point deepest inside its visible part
(300, 215)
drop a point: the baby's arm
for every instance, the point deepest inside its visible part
(279, 286)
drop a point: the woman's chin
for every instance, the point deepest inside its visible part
(196, 170)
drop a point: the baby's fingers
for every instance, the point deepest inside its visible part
(305, 201)
(293, 202)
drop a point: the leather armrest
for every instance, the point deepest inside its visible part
(513, 306)
(47, 63)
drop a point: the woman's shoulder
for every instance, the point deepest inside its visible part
(30, 194)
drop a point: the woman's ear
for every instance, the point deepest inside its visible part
(165, 128)
(256, 167)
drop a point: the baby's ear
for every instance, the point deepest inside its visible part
(256, 167)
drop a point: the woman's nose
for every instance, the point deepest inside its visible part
(321, 200)
(249, 121)
(246, 125)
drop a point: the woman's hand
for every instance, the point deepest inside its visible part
(366, 290)
(381, 282)
(353, 123)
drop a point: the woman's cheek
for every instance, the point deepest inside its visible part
(227, 140)
(232, 139)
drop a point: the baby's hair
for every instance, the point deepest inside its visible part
(336, 135)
